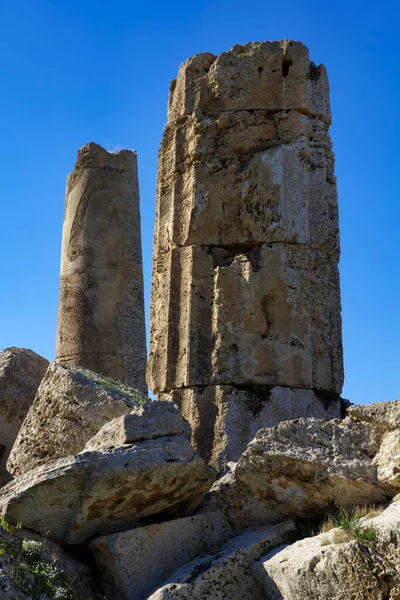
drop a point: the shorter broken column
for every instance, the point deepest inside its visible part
(101, 324)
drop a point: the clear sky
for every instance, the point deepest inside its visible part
(75, 71)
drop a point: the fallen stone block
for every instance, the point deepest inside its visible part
(387, 460)
(100, 492)
(336, 565)
(306, 467)
(303, 467)
(21, 372)
(74, 404)
(149, 421)
(384, 415)
(226, 574)
(133, 562)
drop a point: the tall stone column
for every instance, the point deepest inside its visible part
(101, 324)
(245, 307)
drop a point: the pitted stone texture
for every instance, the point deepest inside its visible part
(332, 565)
(303, 467)
(70, 407)
(227, 574)
(134, 562)
(247, 178)
(150, 421)
(245, 285)
(383, 415)
(232, 498)
(387, 460)
(225, 419)
(271, 76)
(262, 317)
(21, 372)
(307, 467)
(100, 492)
(101, 308)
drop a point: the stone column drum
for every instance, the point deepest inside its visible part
(245, 308)
(101, 324)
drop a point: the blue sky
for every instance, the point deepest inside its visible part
(75, 71)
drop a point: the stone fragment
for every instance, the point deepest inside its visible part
(101, 323)
(387, 460)
(233, 499)
(74, 405)
(225, 419)
(334, 565)
(249, 318)
(134, 562)
(384, 415)
(21, 372)
(150, 421)
(306, 466)
(100, 492)
(226, 574)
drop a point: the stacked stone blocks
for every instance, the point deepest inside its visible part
(245, 291)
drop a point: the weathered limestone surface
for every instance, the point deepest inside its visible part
(233, 499)
(233, 81)
(149, 421)
(384, 415)
(21, 372)
(262, 317)
(101, 309)
(99, 492)
(225, 419)
(70, 407)
(245, 288)
(307, 467)
(387, 460)
(134, 562)
(251, 171)
(226, 574)
(332, 565)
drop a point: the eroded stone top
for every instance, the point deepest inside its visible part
(93, 156)
(271, 76)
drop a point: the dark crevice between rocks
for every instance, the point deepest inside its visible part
(224, 252)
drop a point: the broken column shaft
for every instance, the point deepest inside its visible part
(245, 308)
(101, 323)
